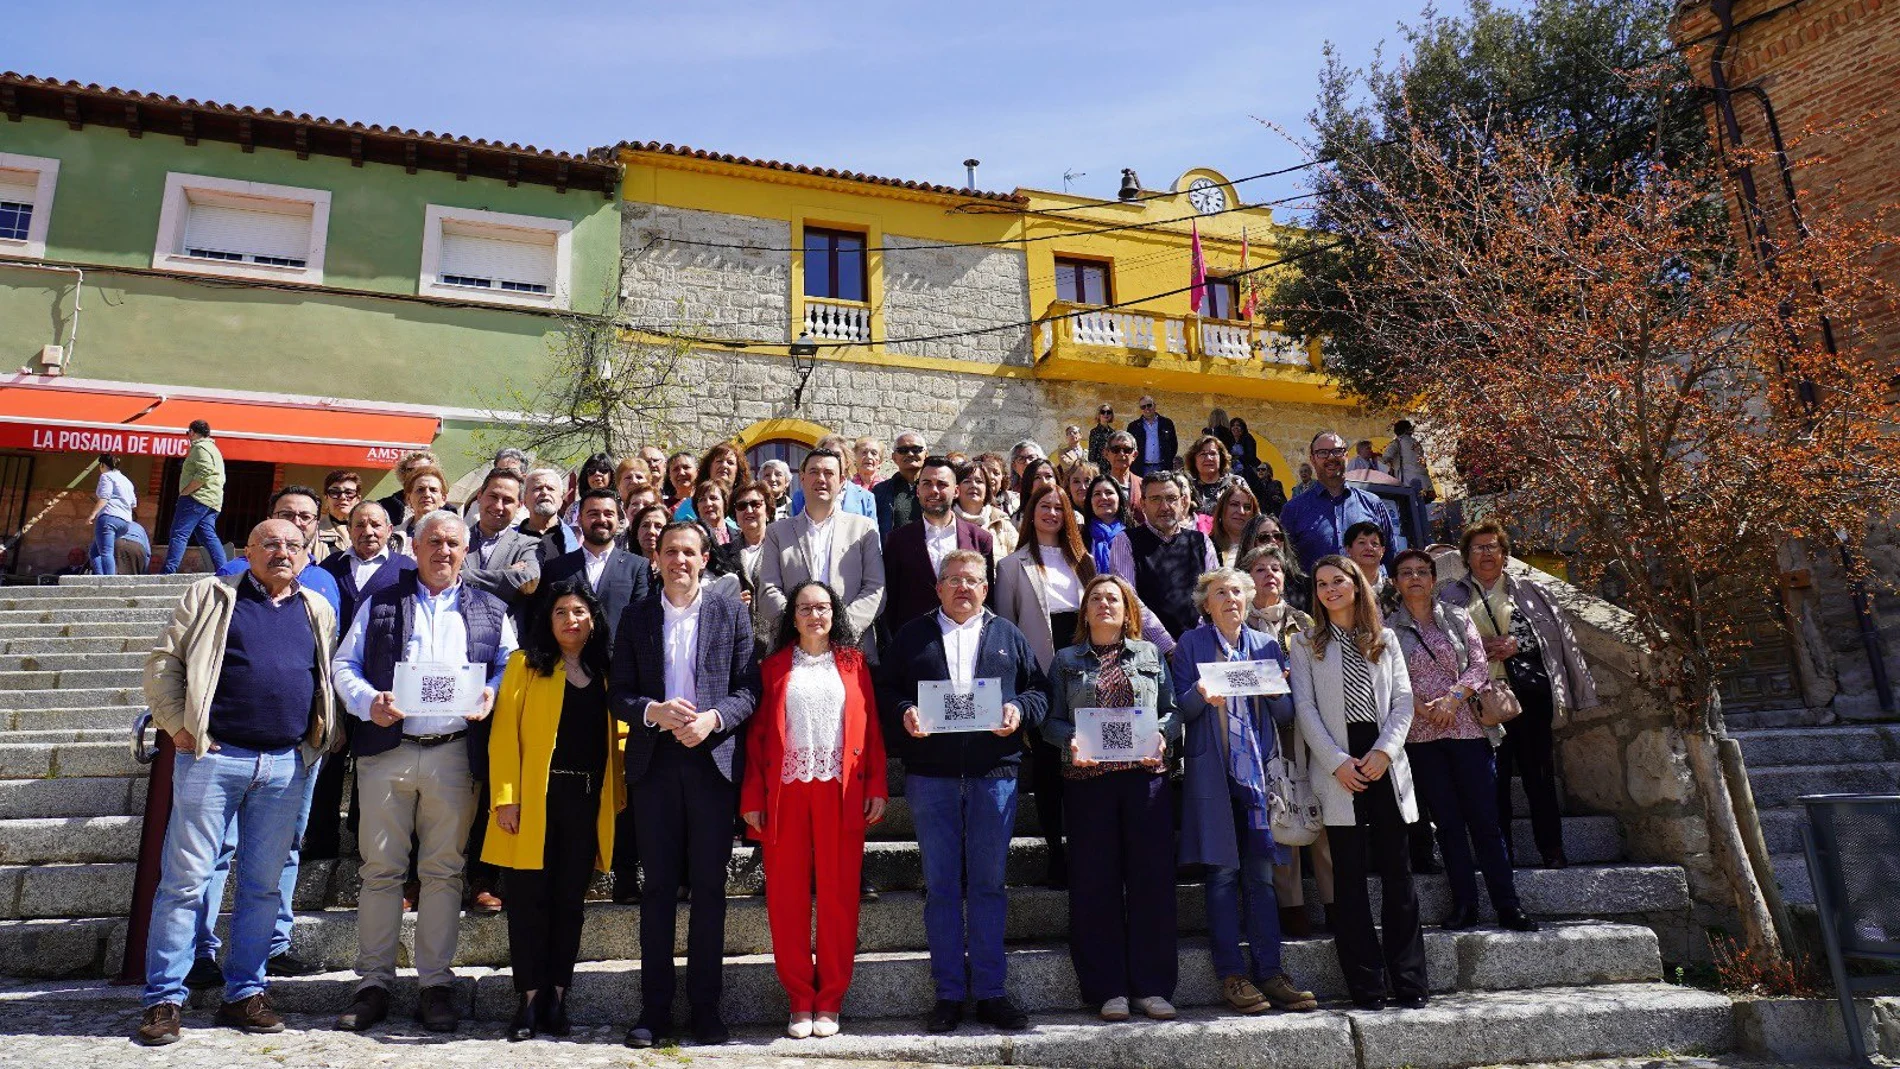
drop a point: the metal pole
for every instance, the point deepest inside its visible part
(158, 811)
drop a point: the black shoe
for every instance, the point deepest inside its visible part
(521, 1025)
(1518, 921)
(288, 964)
(709, 1030)
(553, 1016)
(368, 1009)
(1556, 861)
(628, 897)
(866, 893)
(650, 1031)
(1002, 1014)
(1370, 1002)
(1411, 1002)
(204, 975)
(1462, 917)
(435, 1008)
(945, 1016)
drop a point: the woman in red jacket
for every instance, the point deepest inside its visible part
(814, 781)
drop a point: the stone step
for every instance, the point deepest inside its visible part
(1782, 829)
(179, 579)
(117, 716)
(37, 642)
(1791, 873)
(1783, 785)
(1833, 744)
(65, 840)
(145, 631)
(896, 984)
(90, 678)
(62, 662)
(13, 701)
(70, 602)
(1758, 719)
(100, 796)
(32, 760)
(57, 613)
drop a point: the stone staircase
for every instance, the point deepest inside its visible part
(1588, 985)
(1790, 753)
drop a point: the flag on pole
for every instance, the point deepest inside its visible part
(1247, 302)
(1197, 276)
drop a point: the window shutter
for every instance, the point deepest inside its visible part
(497, 255)
(252, 232)
(19, 187)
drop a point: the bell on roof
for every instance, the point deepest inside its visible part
(1131, 186)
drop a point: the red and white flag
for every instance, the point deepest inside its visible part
(1197, 277)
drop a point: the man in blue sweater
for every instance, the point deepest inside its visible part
(962, 785)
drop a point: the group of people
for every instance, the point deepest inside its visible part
(618, 673)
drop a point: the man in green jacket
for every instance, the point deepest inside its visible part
(200, 496)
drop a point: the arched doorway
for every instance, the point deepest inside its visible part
(779, 439)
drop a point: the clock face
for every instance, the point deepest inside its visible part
(1206, 197)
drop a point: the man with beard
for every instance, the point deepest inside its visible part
(1317, 519)
(544, 489)
(914, 552)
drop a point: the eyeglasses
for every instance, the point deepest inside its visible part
(1486, 549)
(1120, 449)
(279, 545)
(294, 517)
(1106, 412)
(1147, 406)
(747, 506)
(339, 492)
(820, 609)
(962, 582)
(1340, 452)
(909, 450)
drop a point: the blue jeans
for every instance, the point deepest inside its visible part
(260, 791)
(1457, 780)
(963, 831)
(1245, 892)
(206, 940)
(105, 540)
(192, 520)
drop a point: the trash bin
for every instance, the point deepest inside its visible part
(1853, 849)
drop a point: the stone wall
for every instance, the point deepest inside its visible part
(940, 291)
(701, 290)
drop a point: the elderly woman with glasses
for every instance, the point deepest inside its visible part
(1100, 433)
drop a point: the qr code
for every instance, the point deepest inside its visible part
(1118, 736)
(959, 708)
(438, 689)
(1243, 678)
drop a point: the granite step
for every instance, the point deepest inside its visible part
(97, 796)
(40, 759)
(177, 579)
(77, 661)
(69, 840)
(60, 613)
(87, 678)
(1784, 785)
(143, 630)
(36, 642)
(148, 600)
(1833, 744)
(1791, 874)
(116, 716)
(1759, 719)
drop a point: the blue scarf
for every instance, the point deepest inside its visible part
(1101, 536)
(1247, 769)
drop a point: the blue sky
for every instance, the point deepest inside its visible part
(898, 89)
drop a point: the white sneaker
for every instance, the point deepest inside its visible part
(800, 1027)
(1115, 1009)
(824, 1026)
(1156, 1007)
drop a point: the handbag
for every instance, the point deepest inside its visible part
(1293, 810)
(1497, 704)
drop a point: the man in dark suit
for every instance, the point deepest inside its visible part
(684, 678)
(1156, 446)
(368, 565)
(619, 579)
(914, 552)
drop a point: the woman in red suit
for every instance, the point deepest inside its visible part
(814, 781)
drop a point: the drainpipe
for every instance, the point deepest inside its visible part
(79, 286)
(1756, 222)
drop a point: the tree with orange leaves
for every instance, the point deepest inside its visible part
(1671, 407)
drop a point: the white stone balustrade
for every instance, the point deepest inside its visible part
(828, 320)
(1149, 332)
(1228, 340)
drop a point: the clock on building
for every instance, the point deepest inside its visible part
(1207, 197)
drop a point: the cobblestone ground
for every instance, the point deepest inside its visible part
(93, 1036)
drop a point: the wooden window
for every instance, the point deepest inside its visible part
(834, 265)
(1082, 281)
(1222, 299)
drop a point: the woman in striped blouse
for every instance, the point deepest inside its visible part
(1353, 698)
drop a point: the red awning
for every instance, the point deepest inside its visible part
(64, 419)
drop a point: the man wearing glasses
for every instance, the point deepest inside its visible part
(342, 489)
(1156, 447)
(1317, 519)
(897, 495)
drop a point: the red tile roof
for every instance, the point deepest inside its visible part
(609, 152)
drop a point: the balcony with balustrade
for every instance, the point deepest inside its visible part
(1187, 354)
(829, 320)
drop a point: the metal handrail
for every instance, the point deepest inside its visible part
(139, 752)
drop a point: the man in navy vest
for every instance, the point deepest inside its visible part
(685, 678)
(412, 772)
(1164, 557)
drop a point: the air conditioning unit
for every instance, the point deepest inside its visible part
(53, 359)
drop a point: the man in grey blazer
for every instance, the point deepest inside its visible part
(826, 544)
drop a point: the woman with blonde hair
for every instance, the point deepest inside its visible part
(1353, 698)
(1233, 516)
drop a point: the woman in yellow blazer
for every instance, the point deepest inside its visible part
(556, 784)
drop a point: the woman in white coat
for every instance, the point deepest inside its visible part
(1353, 697)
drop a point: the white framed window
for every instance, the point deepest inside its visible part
(495, 257)
(26, 203)
(254, 230)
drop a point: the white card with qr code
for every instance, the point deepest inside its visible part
(1116, 734)
(432, 688)
(942, 707)
(1243, 679)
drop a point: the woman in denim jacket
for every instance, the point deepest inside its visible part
(1120, 813)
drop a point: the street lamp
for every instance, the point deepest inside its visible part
(804, 353)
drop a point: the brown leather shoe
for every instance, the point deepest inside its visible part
(1241, 995)
(159, 1025)
(1281, 991)
(485, 902)
(435, 1008)
(252, 1015)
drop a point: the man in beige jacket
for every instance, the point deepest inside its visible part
(240, 681)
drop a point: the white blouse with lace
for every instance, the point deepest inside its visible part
(814, 720)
